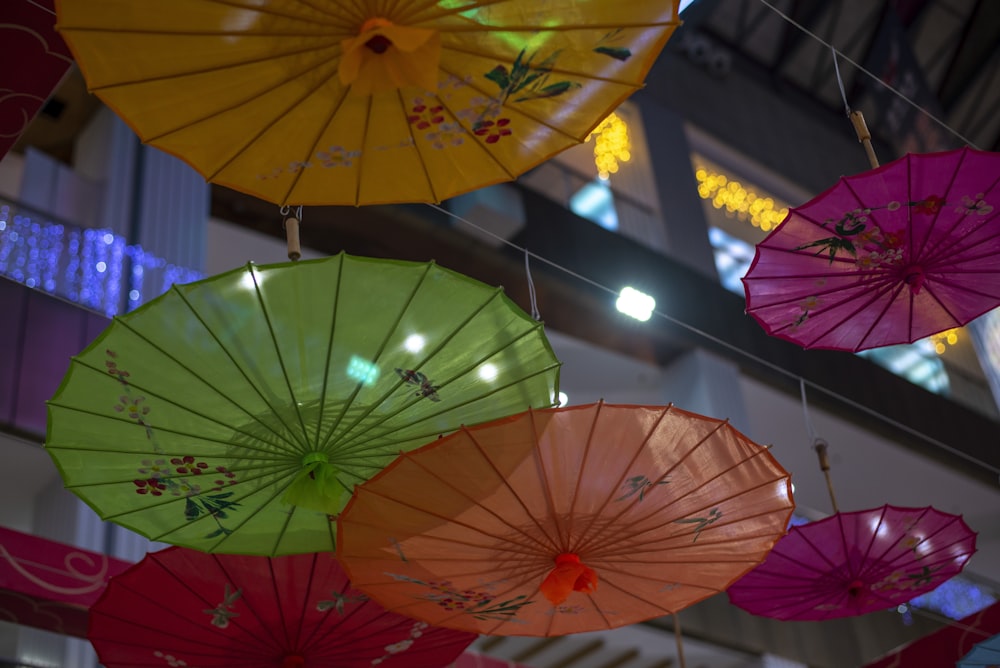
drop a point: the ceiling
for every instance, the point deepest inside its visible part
(955, 42)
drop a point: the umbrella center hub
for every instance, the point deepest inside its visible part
(855, 588)
(378, 43)
(293, 661)
(913, 276)
(312, 459)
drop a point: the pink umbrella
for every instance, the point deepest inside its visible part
(888, 256)
(854, 563)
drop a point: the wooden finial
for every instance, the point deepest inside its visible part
(864, 136)
(824, 466)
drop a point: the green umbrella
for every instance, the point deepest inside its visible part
(235, 414)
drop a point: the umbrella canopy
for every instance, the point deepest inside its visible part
(180, 607)
(236, 414)
(885, 257)
(984, 655)
(565, 520)
(365, 101)
(853, 563)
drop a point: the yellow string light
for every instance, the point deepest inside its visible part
(611, 145)
(738, 200)
(944, 339)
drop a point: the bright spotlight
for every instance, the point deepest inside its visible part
(488, 372)
(414, 343)
(563, 399)
(636, 304)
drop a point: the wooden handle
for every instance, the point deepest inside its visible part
(292, 236)
(824, 466)
(864, 136)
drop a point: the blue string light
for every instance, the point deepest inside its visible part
(91, 267)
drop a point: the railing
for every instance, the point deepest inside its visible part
(95, 268)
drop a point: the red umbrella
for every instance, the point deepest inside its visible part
(947, 645)
(888, 256)
(182, 608)
(854, 563)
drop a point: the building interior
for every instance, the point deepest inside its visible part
(742, 116)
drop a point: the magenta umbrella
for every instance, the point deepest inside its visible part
(854, 563)
(888, 256)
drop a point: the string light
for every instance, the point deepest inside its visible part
(738, 200)
(942, 340)
(88, 266)
(611, 145)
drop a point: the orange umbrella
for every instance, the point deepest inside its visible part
(565, 520)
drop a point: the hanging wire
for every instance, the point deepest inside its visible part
(736, 349)
(872, 75)
(531, 288)
(42, 7)
(840, 82)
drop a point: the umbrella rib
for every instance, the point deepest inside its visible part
(341, 450)
(660, 509)
(364, 150)
(410, 19)
(584, 541)
(193, 374)
(967, 242)
(207, 515)
(322, 127)
(553, 70)
(51, 446)
(297, 447)
(416, 146)
(268, 126)
(165, 501)
(341, 258)
(407, 13)
(584, 457)
(560, 541)
(281, 360)
(558, 28)
(220, 68)
(347, 445)
(257, 587)
(254, 639)
(513, 110)
(624, 548)
(181, 476)
(279, 489)
(915, 254)
(269, 9)
(478, 142)
(477, 529)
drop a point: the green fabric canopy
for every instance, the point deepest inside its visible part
(235, 414)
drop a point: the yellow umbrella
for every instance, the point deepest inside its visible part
(321, 102)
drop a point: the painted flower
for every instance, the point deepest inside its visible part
(446, 134)
(893, 205)
(188, 465)
(974, 205)
(871, 235)
(930, 205)
(337, 156)
(151, 486)
(171, 660)
(809, 303)
(184, 488)
(400, 646)
(422, 116)
(155, 468)
(493, 131)
(868, 260)
(296, 166)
